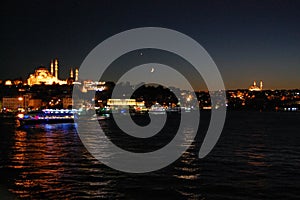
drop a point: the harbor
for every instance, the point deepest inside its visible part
(49, 161)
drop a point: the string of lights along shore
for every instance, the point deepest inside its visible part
(43, 76)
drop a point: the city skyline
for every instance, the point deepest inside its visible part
(248, 40)
(73, 73)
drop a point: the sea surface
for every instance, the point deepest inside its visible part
(257, 157)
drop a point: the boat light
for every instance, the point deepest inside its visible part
(20, 115)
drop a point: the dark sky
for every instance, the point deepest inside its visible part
(248, 40)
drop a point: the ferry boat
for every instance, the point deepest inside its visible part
(47, 116)
(157, 109)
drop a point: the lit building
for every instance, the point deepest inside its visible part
(93, 85)
(121, 102)
(8, 82)
(43, 76)
(254, 87)
(17, 82)
(14, 103)
(116, 104)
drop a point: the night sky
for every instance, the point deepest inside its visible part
(248, 40)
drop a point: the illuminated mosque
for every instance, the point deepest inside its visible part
(254, 87)
(43, 76)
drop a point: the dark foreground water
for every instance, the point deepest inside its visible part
(257, 157)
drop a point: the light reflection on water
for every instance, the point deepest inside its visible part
(252, 160)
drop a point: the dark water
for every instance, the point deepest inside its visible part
(257, 157)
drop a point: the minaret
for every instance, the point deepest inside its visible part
(76, 74)
(261, 85)
(254, 83)
(71, 73)
(51, 68)
(56, 68)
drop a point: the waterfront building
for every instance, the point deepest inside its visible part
(116, 104)
(121, 102)
(14, 103)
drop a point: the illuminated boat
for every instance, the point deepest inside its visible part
(157, 109)
(47, 116)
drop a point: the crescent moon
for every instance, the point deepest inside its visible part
(152, 70)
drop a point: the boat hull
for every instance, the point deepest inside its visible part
(44, 121)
